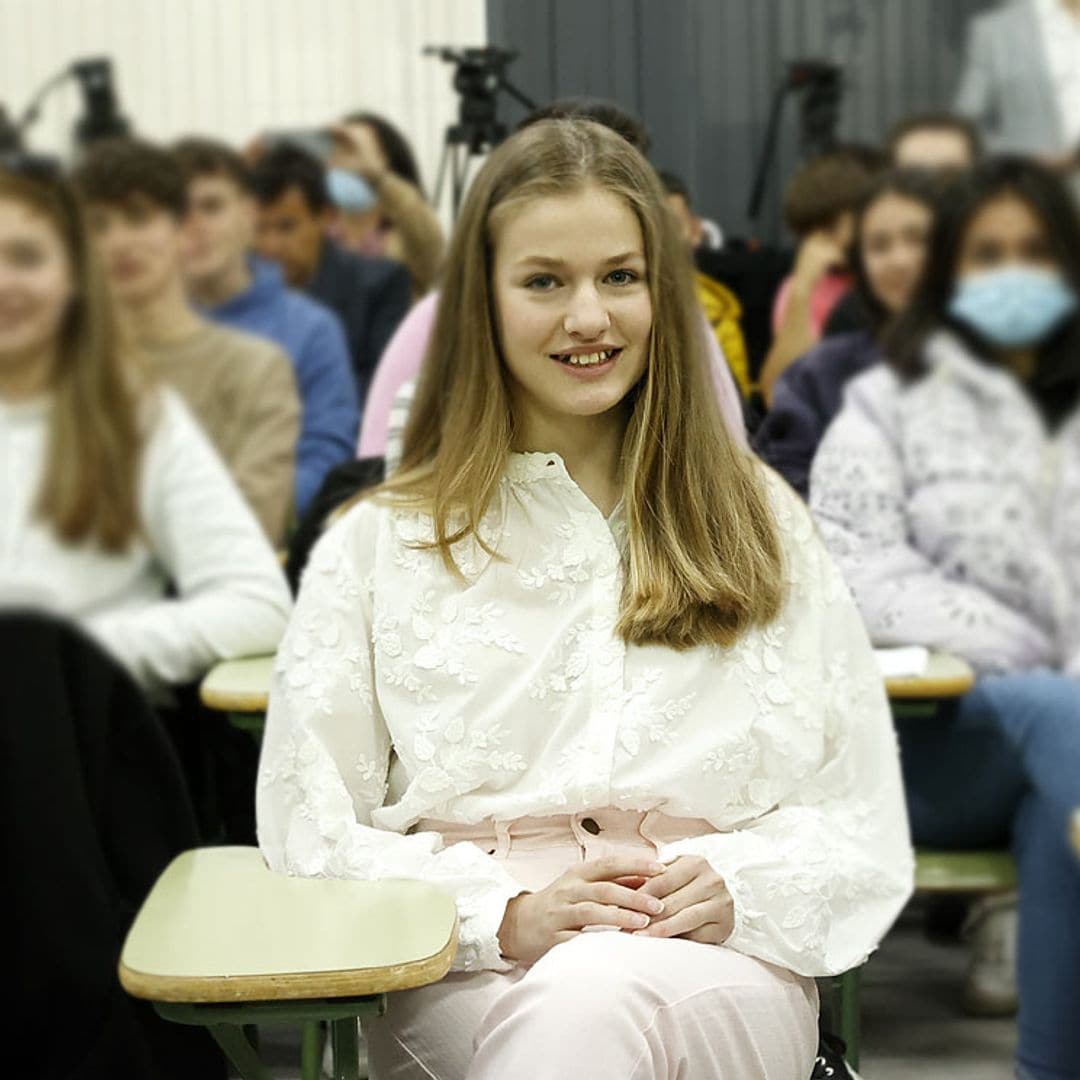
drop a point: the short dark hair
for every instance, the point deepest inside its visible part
(285, 166)
(116, 171)
(822, 189)
(937, 120)
(197, 157)
(399, 155)
(602, 112)
(914, 184)
(966, 194)
(674, 185)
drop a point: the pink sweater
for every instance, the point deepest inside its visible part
(404, 353)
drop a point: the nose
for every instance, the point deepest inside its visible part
(586, 317)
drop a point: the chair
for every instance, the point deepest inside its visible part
(223, 942)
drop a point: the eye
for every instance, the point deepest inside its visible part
(622, 277)
(541, 283)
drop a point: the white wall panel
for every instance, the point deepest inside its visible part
(231, 68)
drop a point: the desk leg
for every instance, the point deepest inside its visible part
(346, 1049)
(238, 1050)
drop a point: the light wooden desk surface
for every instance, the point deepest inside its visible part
(1076, 831)
(239, 686)
(243, 686)
(219, 926)
(945, 676)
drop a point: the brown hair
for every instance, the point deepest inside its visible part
(89, 486)
(704, 561)
(198, 157)
(118, 171)
(823, 189)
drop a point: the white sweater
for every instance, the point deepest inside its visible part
(229, 596)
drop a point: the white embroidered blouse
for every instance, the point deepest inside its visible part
(401, 693)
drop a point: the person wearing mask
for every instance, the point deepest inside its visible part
(245, 293)
(539, 618)
(948, 490)
(819, 208)
(117, 513)
(370, 295)
(892, 229)
(394, 386)
(1021, 78)
(240, 387)
(399, 224)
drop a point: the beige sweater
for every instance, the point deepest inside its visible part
(242, 391)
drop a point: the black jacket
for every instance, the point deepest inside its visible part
(94, 808)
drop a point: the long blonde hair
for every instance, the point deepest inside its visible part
(704, 561)
(89, 485)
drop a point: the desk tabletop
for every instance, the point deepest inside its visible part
(239, 686)
(219, 926)
(945, 676)
(1076, 830)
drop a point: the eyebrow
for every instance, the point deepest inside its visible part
(544, 260)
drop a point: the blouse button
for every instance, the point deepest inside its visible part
(590, 825)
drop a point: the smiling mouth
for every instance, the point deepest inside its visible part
(586, 359)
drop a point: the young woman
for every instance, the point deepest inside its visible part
(948, 488)
(582, 665)
(892, 227)
(111, 494)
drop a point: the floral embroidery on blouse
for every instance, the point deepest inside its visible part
(510, 695)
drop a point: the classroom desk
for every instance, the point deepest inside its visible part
(1075, 831)
(945, 676)
(222, 941)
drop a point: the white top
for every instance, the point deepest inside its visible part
(512, 696)
(200, 537)
(1059, 29)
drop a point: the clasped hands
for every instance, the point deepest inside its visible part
(634, 894)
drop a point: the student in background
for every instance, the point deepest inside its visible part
(720, 304)
(819, 208)
(116, 512)
(935, 141)
(370, 295)
(240, 387)
(401, 225)
(237, 290)
(892, 229)
(574, 573)
(948, 489)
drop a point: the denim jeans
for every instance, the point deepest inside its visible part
(1001, 765)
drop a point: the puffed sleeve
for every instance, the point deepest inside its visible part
(326, 752)
(818, 880)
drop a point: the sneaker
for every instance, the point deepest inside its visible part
(990, 929)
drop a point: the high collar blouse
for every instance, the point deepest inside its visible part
(403, 693)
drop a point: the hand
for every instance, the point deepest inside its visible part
(592, 894)
(357, 150)
(818, 254)
(697, 905)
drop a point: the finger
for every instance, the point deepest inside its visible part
(675, 876)
(634, 881)
(611, 867)
(693, 892)
(686, 921)
(709, 934)
(607, 892)
(592, 914)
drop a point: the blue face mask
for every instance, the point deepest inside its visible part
(349, 192)
(1014, 307)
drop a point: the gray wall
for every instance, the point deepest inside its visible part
(701, 73)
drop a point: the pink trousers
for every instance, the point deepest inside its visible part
(602, 1005)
